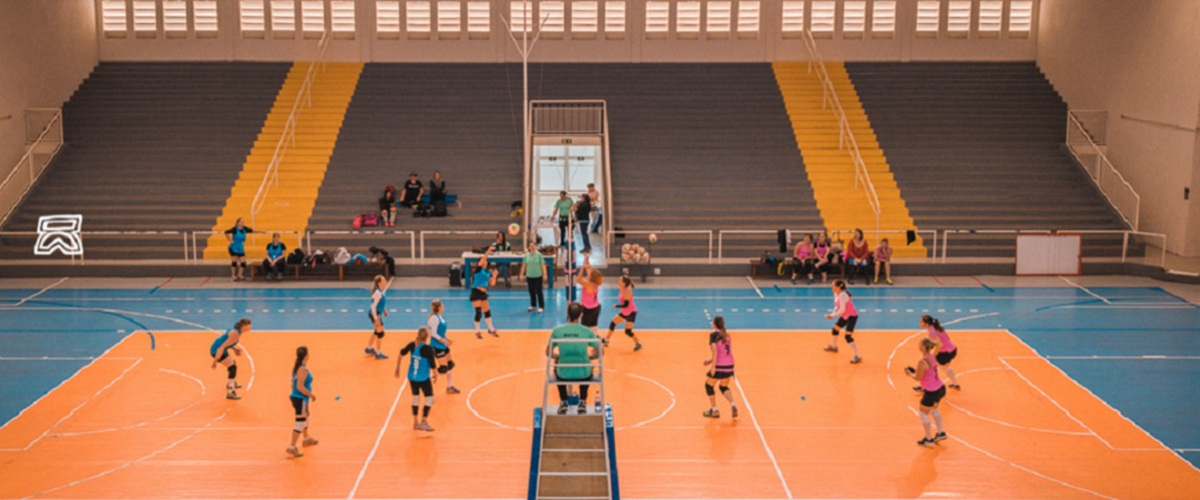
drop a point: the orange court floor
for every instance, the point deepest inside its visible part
(142, 423)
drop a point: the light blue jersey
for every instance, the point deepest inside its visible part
(441, 327)
(481, 279)
(307, 385)
(212, 351)
(380, 300)
(419, 362)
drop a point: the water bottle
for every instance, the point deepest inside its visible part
(599, 407)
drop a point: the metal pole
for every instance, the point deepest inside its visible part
(527, 163)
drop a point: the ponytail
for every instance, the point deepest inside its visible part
(719, 323)
(301, 353)
(240, 323)
(841, 285)
(435, 307)
(627, 281)
(933, 322)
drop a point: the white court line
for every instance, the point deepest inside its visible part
(116, 311)
(147, 422)
(767, 447)
(71, 413)
(1085, 290)
(1054, 401)
(755, 286)
(1030, 471)
(134, 462)
(39, 292)
(64, 382)
(1001, 422)
(382, 430)
(1105, 403)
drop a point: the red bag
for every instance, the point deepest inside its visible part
(370, 219)
(358, 221)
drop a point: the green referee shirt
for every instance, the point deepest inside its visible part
(533, 264)
(574, 353)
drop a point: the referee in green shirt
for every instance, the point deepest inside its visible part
(533, 270)
(573, 353)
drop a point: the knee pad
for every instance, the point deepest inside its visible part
(242, 265)
(379, 334)
(450, 365)
(300, 425)
(233, 265)
(629, 332)
(488, 314)
(708, 389)
(443, 369)
(725, 390)
(834, 331)
(849, 338)
(612, 325)
(416, 402)
(232, 371)
(924, 418)
(429, 401)
(478, 313)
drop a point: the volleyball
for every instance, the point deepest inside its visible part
(625, 248)
(514, 229)
(653, 238)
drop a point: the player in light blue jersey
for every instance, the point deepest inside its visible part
(440, 340)
(377, 312)
(422, 373)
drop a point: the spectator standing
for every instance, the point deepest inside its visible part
(562, 210)
(597, 217)
(533, 270)
(583, 214)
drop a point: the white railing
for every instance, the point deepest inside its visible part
(38, 154)
(287, 138)
(1112, 184)
(846, 139)
(193, 254)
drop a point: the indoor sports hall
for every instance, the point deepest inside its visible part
(577, 249)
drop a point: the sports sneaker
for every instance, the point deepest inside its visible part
(295, 453)
(810, 281)
(918, 388)
(856, 360)
(733, 412)
(530, 309)
(876, 281)
(425, 426)
(237, 385)
(369, 350)
(925, 442)
(831, 348)
(637, 347)
(310, 442)
(494, 333)
(712, 413)
(540, 310)
(562, 408)
(416, 426)
(452, 390)
(380, 355)
(478, 334)
(793, 280)
(955, 387)
(232, 395)
(941, 436)
(889, 281)
(582, 409)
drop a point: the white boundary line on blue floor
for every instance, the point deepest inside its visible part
(44, 290)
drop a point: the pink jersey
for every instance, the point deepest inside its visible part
(883, 254)
(803, 252)
(724, 360)
(943, 338)
(930, 381)
(821, 250)
(843, 299)
(589, 300)
(629, 308)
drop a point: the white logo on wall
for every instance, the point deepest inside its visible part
(59, 233)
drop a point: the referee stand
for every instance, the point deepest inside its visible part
(574, 456)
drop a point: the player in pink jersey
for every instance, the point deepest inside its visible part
(589, 281)
(947, 350)
(628, 312)
(933, 389)
(721, 346)
(847, 315)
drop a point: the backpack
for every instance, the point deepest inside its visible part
(296, 257)
(439, 209)
(370, 219)
(342, 256)
(358, 222)
(422, 210)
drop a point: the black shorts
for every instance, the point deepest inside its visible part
(847, 323)
(441, 353)
(478, 294)
(371, 316)
(721, 372)
(425, 387)
(932, 397)
(236, 254)
(301, 407)
(224, 355)
(591, 317)
(944, 358)
(632, 317)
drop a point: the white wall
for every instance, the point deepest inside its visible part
(769, 45)
(47, 48)
(1140, 61)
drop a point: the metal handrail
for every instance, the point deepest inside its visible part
(288, 135)
(1075, 125)
(845, 133)
(27, 158)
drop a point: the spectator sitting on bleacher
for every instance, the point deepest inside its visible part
(413, 189)
(275, 263)
(381, 257)
(803, 258)
(501, 245)
(883, 258)
(387, 206)
(437, 188)
(858, 256)
(824, 256)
